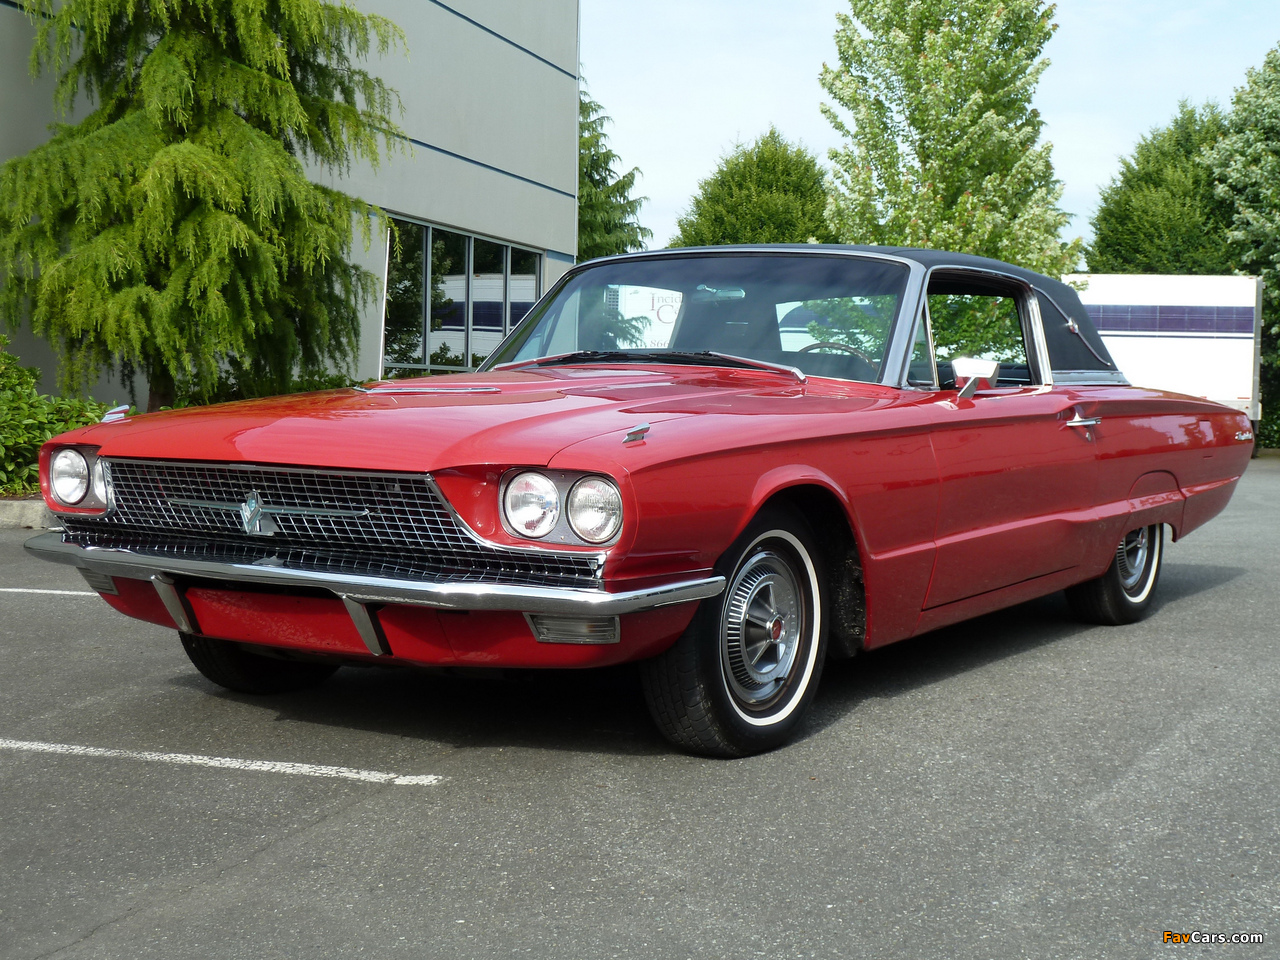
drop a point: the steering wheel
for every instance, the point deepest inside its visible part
(809, 348)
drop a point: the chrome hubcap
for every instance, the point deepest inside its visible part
(1131, 558)
(763, 623)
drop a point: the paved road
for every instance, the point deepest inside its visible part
(1020, 786)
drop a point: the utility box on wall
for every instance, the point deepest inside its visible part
(1200, 336)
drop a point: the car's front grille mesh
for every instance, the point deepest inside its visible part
(386, 525)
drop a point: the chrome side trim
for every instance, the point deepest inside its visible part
(570, 601)
(175, 603)
(367, 625)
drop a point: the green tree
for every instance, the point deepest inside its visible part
(942, 144)
(607, 213)
(1161, 214)
(1246, 166)
(768, 192)
(174, 229)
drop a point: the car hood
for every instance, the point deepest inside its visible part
(506, 417)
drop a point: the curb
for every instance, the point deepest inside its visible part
(24, 515)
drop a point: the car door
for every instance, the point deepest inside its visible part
(1016, 461)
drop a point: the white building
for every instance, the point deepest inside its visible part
(489, 185)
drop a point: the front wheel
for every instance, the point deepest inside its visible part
(232, 666)
(741, 677)
(1125, 592)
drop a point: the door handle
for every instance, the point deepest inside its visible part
(1080, 421)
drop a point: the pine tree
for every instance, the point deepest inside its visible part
(1246, 165)
(1161, 215)
(174, 228)
(607, 213)
(767, 192)
(942, 143)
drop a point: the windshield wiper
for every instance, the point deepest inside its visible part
(704, 358)
(752, 363)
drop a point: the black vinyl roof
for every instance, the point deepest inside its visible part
(1060, 306)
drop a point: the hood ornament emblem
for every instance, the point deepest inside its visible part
(253, 516)
(637, 432)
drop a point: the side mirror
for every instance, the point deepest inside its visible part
(970, 374)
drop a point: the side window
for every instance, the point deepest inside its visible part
(978, 321)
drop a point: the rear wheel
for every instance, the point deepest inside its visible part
(744, 673)
(1124, 593)
(230, 665)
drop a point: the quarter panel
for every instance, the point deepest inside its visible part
(1146, 433)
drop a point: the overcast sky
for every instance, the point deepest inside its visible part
(684, 80)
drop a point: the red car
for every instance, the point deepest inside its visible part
(727, 465)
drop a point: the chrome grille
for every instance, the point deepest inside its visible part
(388, 525)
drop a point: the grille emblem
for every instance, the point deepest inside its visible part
(253, 516)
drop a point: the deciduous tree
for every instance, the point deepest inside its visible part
(1246, 166)
(942, 142)
(175, 227)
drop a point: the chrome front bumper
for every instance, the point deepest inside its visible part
(359, 590)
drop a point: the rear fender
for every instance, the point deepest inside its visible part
(1156, 498)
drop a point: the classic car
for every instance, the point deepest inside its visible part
(727, 465)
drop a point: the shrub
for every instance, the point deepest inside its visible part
(1269, 432)
(28, 419)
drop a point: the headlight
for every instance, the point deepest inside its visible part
(69, 476)
(595, 509)
(532, 505)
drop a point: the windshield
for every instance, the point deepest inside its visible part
(828, 316)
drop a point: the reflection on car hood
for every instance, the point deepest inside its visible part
(513, 417)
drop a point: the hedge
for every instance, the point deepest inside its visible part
(29, 418)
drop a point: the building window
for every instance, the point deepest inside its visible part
(479, 290)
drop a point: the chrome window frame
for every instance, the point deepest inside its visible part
(1028, 315)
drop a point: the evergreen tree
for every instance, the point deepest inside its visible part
(768, 192)
(1161, 215)
(1246, 166)
(942, 143)
(174, 229)
(607, 213)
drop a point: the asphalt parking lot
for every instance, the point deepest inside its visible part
(1020, 786)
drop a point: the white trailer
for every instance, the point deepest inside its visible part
(1195, 335)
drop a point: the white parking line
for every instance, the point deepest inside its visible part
(223, 763)
(56, 593)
